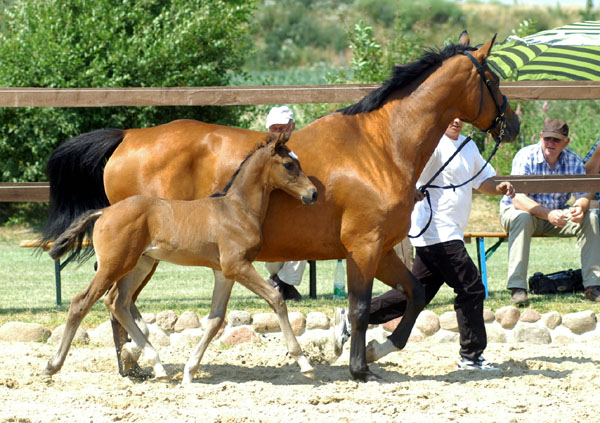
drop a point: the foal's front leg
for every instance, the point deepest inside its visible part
(245, 273)
(220, 299)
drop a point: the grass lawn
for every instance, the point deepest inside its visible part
(27, 290)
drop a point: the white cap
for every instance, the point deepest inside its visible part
(279, 116)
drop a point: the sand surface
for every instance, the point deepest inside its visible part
(258, 382)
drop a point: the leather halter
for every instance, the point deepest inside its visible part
(500, 119)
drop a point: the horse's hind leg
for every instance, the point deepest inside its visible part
(119, 301)
(246, 274)
(393, 272)
(128, 365)
(79, 308)
(220, 299)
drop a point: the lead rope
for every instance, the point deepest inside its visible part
(424, 188)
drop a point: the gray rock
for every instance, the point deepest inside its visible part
(317, 320)
(265, 322)
(552, 319)
(102, 335)
(448, 321)
(488, 316)
(562, 335)
(508, 316)
(81, 335)
(166, 320)
(239, 318)
(495, 332)
(187, 338)
(239, 335)
(157, 336)
(297, 321)
(24, 332)
(529, 315)
(532, 334)
(428, 322)
(187, 320)
(580, 322)
(445, 335)
(149, 317)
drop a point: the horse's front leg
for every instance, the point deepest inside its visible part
(393, 272)
(360, 271)
(245, 273)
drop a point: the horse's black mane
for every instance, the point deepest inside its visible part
(404, 75)
(224, 191)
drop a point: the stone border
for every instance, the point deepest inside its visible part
(507, 325)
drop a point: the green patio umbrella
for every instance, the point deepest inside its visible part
(567, 53)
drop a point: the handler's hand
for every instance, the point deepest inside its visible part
(558, 218)
(506, 188)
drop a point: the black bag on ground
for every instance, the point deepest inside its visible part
(563, 282)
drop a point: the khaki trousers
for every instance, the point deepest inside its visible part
(521, 226)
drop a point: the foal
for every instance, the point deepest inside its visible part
(222, 232)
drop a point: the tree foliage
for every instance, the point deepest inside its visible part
(111, 43)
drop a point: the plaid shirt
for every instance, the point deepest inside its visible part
(589, 156)
(530, 161)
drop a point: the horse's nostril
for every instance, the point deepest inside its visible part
(314, 196)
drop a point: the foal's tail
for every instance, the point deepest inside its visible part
(73, 237)
(75, 172)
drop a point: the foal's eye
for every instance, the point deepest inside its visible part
(289, 165)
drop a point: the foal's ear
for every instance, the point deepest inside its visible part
(282, 139)
(463, 38)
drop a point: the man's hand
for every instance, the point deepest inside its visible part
(505, 188)
(576, 213)
(419, 196)
(558, 218)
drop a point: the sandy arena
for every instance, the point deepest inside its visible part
(258, 382)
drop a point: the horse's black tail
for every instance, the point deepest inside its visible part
(75, 173)
(74, 236)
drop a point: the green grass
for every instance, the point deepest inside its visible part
(27, 291)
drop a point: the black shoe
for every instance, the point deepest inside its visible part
(519, 297)
(592, 293)
(289, 292)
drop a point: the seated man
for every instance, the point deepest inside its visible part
(547, 213)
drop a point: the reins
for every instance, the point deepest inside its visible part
(500, 120)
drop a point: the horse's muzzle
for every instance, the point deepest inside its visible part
(310, 197)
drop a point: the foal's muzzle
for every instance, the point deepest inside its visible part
(310, 197)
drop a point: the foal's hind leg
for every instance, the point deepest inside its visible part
(220, 299)
(80, 306)
(246, 274)
(119, 301)
(393, 272)
(128, 365)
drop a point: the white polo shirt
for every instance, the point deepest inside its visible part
(451, 208)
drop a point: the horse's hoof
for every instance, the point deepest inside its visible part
(308, 373)
(367, 376)
(137, 373)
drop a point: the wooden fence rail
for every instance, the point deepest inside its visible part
(227, 96)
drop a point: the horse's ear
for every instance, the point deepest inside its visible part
(485, 49)
(463, 38)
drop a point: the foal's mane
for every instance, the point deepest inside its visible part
(404, 75)
(224, 191)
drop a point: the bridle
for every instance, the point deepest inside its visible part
(499, 120)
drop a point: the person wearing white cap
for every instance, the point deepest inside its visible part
(284, 275)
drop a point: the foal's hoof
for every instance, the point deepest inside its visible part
(368, 376)
(137, 373)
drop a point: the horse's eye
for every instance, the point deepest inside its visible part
(289, 166)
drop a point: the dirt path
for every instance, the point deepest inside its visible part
(259, 383)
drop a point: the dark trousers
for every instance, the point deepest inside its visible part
(446, 262)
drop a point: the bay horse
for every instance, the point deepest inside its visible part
(222, 232)
(364, 159)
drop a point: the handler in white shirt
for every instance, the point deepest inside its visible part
(440, 253)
